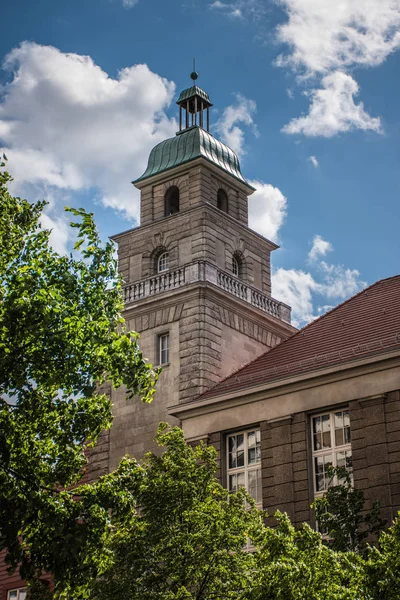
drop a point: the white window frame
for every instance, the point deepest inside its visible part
(329, 452)
(163, 262)
(18, 590)
(161, 349)
(247, 467)
(235, 266)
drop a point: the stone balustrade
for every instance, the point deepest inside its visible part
(203, 271)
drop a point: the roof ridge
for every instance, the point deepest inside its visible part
(297, 333)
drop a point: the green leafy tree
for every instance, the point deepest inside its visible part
(295, 564)
(61, 335)
(382, 566)
(340, 512)
(186, 536)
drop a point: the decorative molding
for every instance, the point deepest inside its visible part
(156, 318)
(248, 327)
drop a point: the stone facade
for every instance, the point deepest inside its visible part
(216, 321)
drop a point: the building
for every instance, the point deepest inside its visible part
(328, 395)
(197, 278)
(279, 405)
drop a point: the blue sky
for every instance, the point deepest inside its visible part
(306, 91)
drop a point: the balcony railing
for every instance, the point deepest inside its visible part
(205, 272)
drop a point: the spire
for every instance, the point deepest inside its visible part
(193, 103)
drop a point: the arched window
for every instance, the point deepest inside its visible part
(171, 201)
(163, 262)
(222, 200)
(235, 266)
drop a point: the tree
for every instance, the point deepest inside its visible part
(61, 335)
(295, 564)
(183, 536)
(340, 512)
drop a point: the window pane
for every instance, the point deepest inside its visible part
(326, 431)
(232, 483)
(339, 437)
(251, 439)
(22, 594)
(254, 482)
(344, 459)
(254, 447)
(317, 435)
(322, 463)
(232, 443)
(240, 458)
(13, 595)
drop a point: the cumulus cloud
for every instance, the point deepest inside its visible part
(295, 288)
(129, 3)
(326, 40)
(333, 110)
(304, 290)
(320, 247)
(325, 36)
(61, 232)
(267, 209)
(314, 161)
(66, 125)
(242, 112)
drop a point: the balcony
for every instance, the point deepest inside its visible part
(203, 271)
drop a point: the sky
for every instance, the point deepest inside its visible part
(305, 91)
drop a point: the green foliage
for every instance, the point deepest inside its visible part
(295, 564)
(186, 537)
(340, 512)
(61, 335)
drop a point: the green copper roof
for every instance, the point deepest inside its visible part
(193, 91)
(188, 145)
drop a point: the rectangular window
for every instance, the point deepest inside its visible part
(243, 451)
(163, 349)
(19, 594)
(331, 446)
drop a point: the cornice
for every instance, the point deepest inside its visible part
(204, 206)
(286, 385)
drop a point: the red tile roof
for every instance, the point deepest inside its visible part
(366, 324)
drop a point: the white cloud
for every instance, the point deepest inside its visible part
(241, 112)
(320, 247)
(333, 110)
(66, 125)
(129, 3)
(61, 232)
(267, 209)
(326, 39)
(295, 288)
(240, 8)
(325, 36)
(314, 161)
(304, 290)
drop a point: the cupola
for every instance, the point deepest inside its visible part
(193, 140)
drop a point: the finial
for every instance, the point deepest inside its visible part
(193, 74)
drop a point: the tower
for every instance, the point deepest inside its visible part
(197, 279)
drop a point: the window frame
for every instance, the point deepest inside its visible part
(246, 468)
(160, 349)
(332, 451)
(163, 257)
(18, 590)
